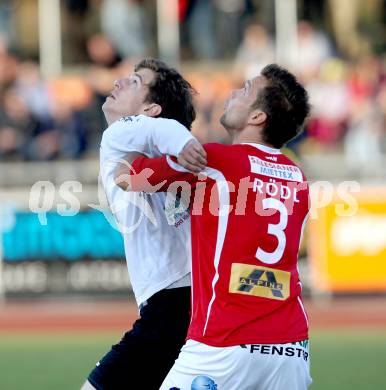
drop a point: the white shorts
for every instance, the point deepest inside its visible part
(242, 367)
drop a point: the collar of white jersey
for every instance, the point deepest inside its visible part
(263, 148)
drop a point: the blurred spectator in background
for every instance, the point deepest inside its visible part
(70, 117)
(256, 51)
(62, 137)
(329, 98)
(230, 22)
(9, 64)
(16, 125)
(364, 79)
(197, 29)
(61, 118)
(101, 52)
(213, 89)
(350, 19)
(363, 143)
(101, 74)
(34, 90)
(79, 21)
(6, 23)
(126, 25)
(314, 49)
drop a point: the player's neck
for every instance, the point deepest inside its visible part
(248, 135)
(111, 117)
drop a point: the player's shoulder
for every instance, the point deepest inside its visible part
(289, 158)
(225, 150)
(216, 152)
(141, 120)
(118, 128)
(273, 161)
(216, 148)
(135, 121)
(223, 155)
(269, 154)
(121, 125)
(119, 131)
(153, 122)
(283, 159)
(130, 121)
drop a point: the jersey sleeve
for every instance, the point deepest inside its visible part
(160, 174)
(167, 136)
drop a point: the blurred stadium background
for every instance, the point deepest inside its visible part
(65, 294)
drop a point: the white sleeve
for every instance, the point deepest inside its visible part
(167, 136)
(150, 136)
(125, 135)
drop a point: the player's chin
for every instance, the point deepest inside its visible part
(223, 119)
(108, 103)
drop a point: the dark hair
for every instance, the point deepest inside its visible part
(285, 102)
(171, 91)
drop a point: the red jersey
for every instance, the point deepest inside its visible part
(247, 217)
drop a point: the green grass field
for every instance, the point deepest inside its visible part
(341, 360)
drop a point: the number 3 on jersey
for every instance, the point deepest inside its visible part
(276, 230)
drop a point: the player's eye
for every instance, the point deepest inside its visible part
(133, 81)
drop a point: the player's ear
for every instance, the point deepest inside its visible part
(153, 109)
(257, 117)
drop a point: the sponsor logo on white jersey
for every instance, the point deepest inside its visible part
(278, 171)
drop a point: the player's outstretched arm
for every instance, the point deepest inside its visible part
(159, 174)
(192, 157)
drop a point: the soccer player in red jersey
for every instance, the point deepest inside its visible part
(248, 329)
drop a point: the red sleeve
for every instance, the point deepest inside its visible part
(159, 174)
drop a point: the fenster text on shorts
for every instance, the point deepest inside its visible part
(241, 367)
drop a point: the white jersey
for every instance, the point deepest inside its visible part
(156, 235)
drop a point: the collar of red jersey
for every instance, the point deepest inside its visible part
(263, 148)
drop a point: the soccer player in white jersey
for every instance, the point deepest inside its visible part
(156, 236)
(249, 329)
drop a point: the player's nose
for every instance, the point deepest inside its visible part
(117, 84)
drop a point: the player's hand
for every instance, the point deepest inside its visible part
(193, 156)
